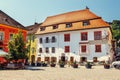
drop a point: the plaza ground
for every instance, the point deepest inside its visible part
(67, 73)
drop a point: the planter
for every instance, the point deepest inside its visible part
(44, 64)
(75, 65)
(88, 66)
(38, 64)
(32, 64)
(106, 66)
(52, 65)
(62, 65)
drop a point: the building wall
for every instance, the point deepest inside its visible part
(75, 40)
(7, 30)
(31, 44)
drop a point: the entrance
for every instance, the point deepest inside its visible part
(71, 59)
(83, 59)
(47, 59)
(33, 59)
(63, 58)
(53, 59)
(95, 59)
(39, 59)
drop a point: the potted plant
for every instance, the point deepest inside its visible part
(106, 66)
(88, 65)
(52, 64)
(61, 64)
(75, 65)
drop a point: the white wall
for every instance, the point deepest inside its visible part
(75, 38)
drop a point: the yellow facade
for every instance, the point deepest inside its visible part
(31, 44)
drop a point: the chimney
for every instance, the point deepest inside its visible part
(87, 7)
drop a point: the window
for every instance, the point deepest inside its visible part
(97, 35)
(66, 37)
(84, 36)
(1, 48)
(53, 39)
(11, 36)
(1, 35)
(42, 28)
(97, 48)
(47, 50)
(27, 38)
(40, 50)
(33, 50)
(67, 49)
(85, 23)
(68, 25)
(83, 48)
(55, 26)
(53, 49)
(47, 40)
(33, 38)
(40, 40)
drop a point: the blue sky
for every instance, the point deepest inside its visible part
(29, 11)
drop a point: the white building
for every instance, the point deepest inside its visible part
(78, 35)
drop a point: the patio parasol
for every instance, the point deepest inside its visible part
(3, 53)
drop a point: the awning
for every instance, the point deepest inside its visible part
(104, 58)
(3, 53)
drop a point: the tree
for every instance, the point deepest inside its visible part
(17, 47)
(116, 31)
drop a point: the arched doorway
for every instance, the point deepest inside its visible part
(71, 59)
(95, 59)
(83, 59)
(39, 59)
(33, 59)
(47, 59)
(53, 59)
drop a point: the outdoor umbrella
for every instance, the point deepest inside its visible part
(3, 53)
(104, 58)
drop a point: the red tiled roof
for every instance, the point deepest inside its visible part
(76, 18)
(70, 17)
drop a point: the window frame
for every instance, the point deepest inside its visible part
(96, 33)
(53, 39)
(2, 36)
(53, 50)
(98, 48)
(86, 23)
(55, 26)
(40, 50)
(40, 40)
(84, 36)
(67, 37)
(47, 40)
(47, 49)
(83, 48)
(42, 28)
(10, 36)
(68, 25)
(66, 49)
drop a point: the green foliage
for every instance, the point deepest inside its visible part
(7, 57)
(17, 47)
(116, 30)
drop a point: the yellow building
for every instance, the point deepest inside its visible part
(31, 42)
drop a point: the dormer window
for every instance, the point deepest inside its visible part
(68, 25)
(85, 23)
(42, 28)
(55, 26)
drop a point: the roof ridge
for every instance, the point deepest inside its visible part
(67, 13)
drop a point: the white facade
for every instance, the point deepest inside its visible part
(75, 44)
